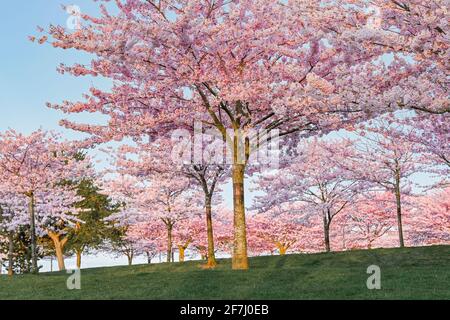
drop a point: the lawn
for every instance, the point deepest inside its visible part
(410, 273)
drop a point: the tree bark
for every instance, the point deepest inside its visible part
(282, 249)
(399, 210)
(11, 254)
(59, 249)
(326, 232)
(34, 266)
(130, 258)
(181, 250)
(209, 228)
(78, 252)
(169, 241)
(240, 258)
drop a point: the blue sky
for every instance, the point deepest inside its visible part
(28, 76)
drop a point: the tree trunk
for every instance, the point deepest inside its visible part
(282, 249)
(169, 242)
(181, 250)
(240, 258)
(209, 228)
(130, 259)
(78, 252)
(326, 232)
(11, 254)
(59, 247)
(34, 266)
(399, 211)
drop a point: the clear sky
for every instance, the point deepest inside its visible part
(28, 77)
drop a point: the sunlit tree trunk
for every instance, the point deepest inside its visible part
(59, 248)
(181, 250)
(282, 249)
(78, 253)
(240, 258)
(209, 228)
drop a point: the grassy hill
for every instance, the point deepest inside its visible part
(411, 273)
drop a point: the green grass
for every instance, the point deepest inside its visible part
(410, 273)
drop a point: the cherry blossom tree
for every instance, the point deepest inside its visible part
(430, 219)
(12, 216)
(432, 136)
(269, 232)
(367, 220)
(149, 237)
(314, 179)
(167, 156)
(393, 157)
(39, 167)
(413, 72)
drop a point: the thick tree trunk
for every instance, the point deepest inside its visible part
(11, 254)
(240, 258)
(209, 228)
(399, 212)
(78, 253)
(59, 249)
(169, 242)
(326, 232)
(34, 266)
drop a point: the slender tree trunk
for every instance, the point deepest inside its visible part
(11, 254)
(59, 247)
(326, 232)
(130, 259)
(240, 258)
(78, 253)
(181, 250)
(169, 242)
(282, 249)
(399, 210)
(149, 258)
(34, 266)
(209, 228)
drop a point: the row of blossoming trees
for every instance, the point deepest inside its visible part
(360, 190)
(253, 72)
